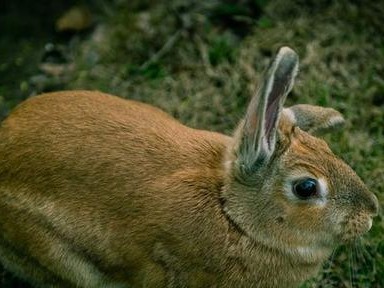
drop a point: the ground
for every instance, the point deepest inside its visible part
(201, 62)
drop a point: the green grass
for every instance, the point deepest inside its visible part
(202, 62)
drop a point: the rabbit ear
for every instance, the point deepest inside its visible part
(259, 131)
(314, 119)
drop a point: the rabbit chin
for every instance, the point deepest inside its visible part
(312, 254)
(317, 250)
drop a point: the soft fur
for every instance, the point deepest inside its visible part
(97, 191)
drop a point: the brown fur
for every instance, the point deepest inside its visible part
(97, 191)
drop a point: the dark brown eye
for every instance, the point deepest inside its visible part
(305, 188)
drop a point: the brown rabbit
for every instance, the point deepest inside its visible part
(97, 191)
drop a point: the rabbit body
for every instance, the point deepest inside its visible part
(93, 195)
(97, 191)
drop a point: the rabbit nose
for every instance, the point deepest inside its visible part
(369, 202)
(366, 201)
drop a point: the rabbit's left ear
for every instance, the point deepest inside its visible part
(258, 139)
(314, 119)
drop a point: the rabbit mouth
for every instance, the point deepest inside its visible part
(355, 228)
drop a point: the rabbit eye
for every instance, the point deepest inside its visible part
(305, 188)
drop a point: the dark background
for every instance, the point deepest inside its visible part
(201, 61)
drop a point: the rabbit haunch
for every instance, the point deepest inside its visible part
(97, 191)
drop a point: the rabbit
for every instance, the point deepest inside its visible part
(99, 191)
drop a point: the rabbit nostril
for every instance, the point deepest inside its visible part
(280, 219)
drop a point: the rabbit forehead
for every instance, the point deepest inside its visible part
(311, 156)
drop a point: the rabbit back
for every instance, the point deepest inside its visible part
(85, 183)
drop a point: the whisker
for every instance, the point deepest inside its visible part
(365, 252)
(365, 262)
(324, 282)
(350, 266)
(328, 264)
(358, 264)
(371, 257)
(359, 254)
(364, 266)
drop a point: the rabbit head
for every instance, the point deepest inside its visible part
(285, 188)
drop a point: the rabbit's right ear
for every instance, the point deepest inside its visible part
(314, 119)
(257, 141)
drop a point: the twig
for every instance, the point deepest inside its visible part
(164, 50)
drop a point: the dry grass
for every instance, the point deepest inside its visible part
(202, 62)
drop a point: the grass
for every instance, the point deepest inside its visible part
(202, 62)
